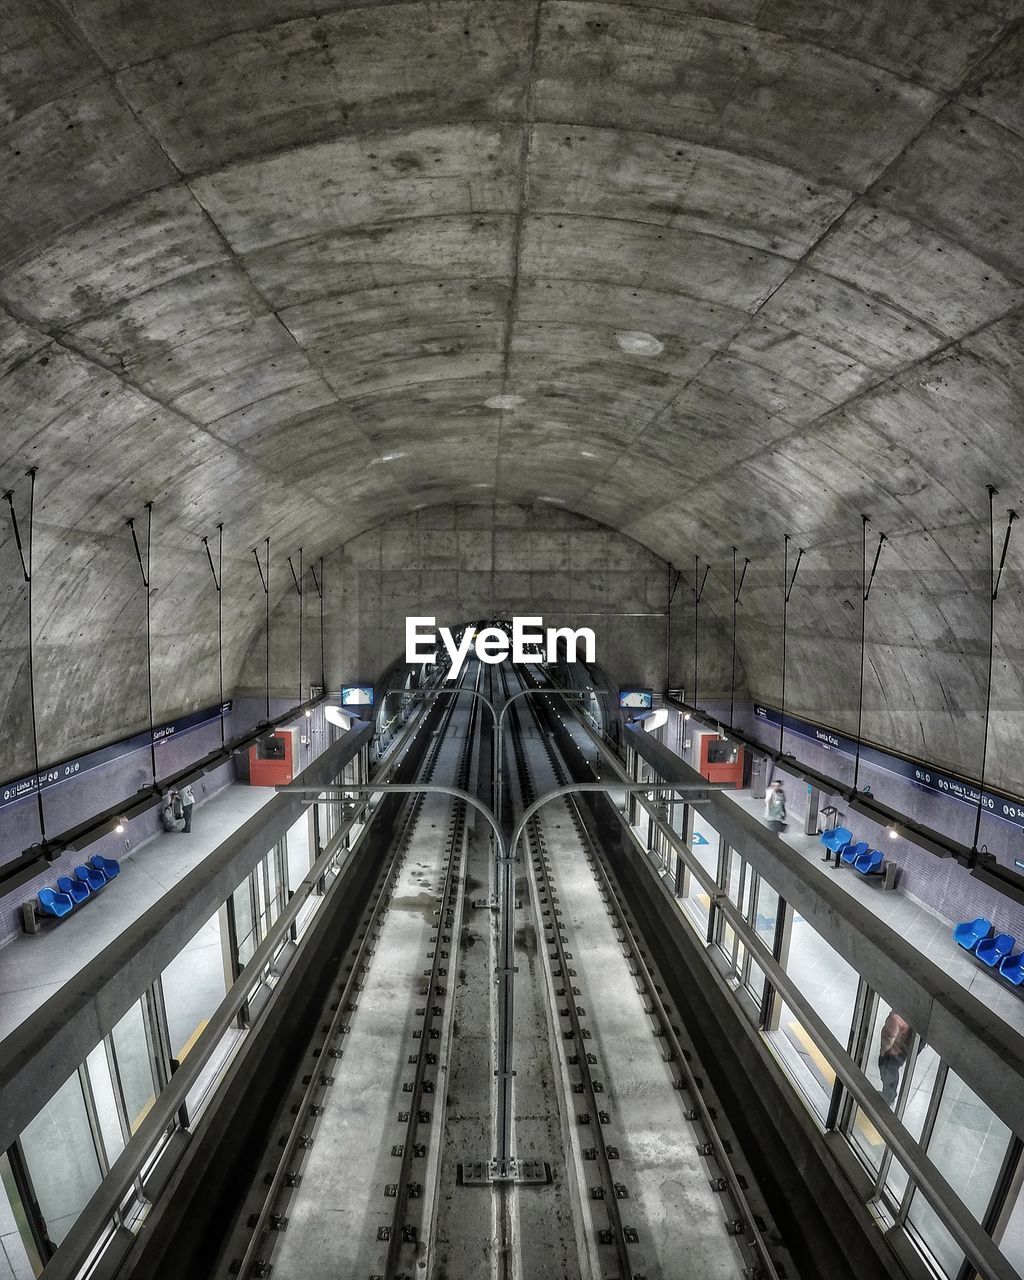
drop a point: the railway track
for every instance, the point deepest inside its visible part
(630, 1095)
(346, 1196)
(398, 1088)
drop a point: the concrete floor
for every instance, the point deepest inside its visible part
(32, 968)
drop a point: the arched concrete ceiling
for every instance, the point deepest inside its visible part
(268, 262)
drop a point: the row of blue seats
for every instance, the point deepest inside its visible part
(858, 855)
(992, 949)
(73, 891)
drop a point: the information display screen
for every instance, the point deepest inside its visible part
(357, 695)
(636, 699)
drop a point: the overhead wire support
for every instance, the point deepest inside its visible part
(866, 580)
(787, 584)
(318, 585)
(25, 551)
(265, 580)
(218, 582)
(737, 590)
(673, 586)
(298, 590)
(995, 576)
(145, 568)
(698, 591)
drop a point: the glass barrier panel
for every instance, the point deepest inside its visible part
(133, 1062)
(807, 1065)
(193, 987)
(823, 977)
(61, 1158)
(18, 1250)
(104, 1097)
(968, 1146)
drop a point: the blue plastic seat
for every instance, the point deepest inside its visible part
(1012, 968)
(969, 933)
(106, 866)
(991, 951)
(90, 876)
(849, 853)
(52, 903)
(868, 863)
(836, 838)
(75, 889)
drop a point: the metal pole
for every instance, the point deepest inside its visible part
(736, 590)
(218, 578)
(787, 591)
(994, 578)
(26, 572)
(265, 579)
(698, 591)
(865, 582)
(144, 569)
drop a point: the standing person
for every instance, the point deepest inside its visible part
(187, 801)
(893, 1051)
(775, 806)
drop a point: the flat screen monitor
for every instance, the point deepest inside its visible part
(636, 699)
(357, 695)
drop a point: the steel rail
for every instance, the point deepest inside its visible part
(747, 1216)
(609, 1188)
(286, 1172)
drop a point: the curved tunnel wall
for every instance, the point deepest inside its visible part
(245, 278)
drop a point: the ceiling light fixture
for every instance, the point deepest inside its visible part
(119, 827)
(503, 402)
(637, 343)
(893, 832)
(391, 457)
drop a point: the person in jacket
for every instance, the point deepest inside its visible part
(893, 1051)
(187, 801)
(775, 806)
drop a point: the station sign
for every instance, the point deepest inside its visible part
(928, 779)
(19, 788)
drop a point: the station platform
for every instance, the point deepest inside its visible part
(33, 967)
(921, 926)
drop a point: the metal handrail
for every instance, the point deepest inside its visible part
(982, 1251)
(81, 1240)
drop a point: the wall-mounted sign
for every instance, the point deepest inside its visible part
(920, 775)
(19, 788)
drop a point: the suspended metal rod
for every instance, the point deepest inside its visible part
(265, 579)
(736, 592)
(298, 589)
(787, 591)
(145, 571)
(318, 583)
(995, 575)
(218, 580)
(25, 555)
(698, 591)
(865, 583)
(673, 587)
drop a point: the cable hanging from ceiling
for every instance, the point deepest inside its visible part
(25, 550)
(787, 590)
(218, 582)
(265, 580)
(866, 579)
(995, 575)
(145, 568)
